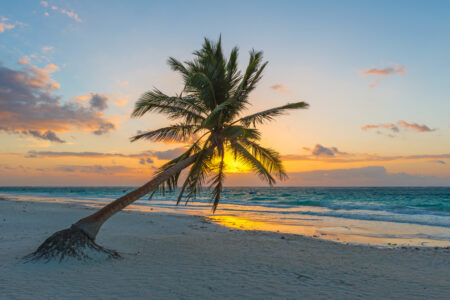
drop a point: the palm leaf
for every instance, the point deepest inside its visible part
(269, 158)
(268, 115)
(174, 107)
(173, 133)
(245, 157)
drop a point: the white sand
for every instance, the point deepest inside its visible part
(183, 257)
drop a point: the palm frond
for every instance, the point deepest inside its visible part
(173, 107)
(178, 66)
(269, 158)
(199, 85)
(241, 132)
(233, 75)
(254, 68)
(174, 133)
(197, 174)
(245, 157)
(214, 117)
(269, 114)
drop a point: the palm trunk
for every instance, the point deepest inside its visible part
(91, 224)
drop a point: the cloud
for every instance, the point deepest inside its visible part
(37, 77)
(168, 154)
(161, 155)
(395, 128)
(28, 104)
(5, 25)
(98, 102)
(363, 157)
(122, 83)
(281, 88)
(379, 72)
(104, 128)
(70, 13)
(441, 162)
(83, 98)
(144, 161)
(415, 126)
(121, 101)
(332, 154)
(47, 48)
(366, 176)
(48, 135)
(320, 150)
(389, 126)
(97, 169)
(386, 71)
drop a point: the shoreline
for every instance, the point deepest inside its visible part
(369, 233)
(209, 220)
(181, 256)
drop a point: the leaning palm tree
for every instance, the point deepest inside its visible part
(209, 109)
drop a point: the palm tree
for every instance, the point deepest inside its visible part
(209, 108)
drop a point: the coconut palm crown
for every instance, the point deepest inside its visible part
(208, 112)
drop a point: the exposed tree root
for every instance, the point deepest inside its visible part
(70, 243)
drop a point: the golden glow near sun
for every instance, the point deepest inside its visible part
(234, 166)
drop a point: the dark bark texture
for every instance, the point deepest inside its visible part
(69, 243)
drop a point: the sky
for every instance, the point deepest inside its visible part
(375, 74)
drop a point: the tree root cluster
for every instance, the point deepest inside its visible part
(70, 243)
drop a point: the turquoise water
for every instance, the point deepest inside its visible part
(418, 211)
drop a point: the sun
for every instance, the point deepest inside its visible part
(232, 165)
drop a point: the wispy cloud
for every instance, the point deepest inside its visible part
(332, 154)
(162, 155)
(281, 88)
(441, 162)
(415, 126)
(70, 13)
(122, 83)
(144, 161)
(5, 24)
(97, 169)
(48, 135)
(46, 49)
(365, 176)
(395, 128)
(379, 72)
(120, 99)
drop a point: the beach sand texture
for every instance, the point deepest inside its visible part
(185, 257)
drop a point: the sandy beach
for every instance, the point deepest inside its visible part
(168, 256)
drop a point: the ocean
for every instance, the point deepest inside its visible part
(380, 216)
